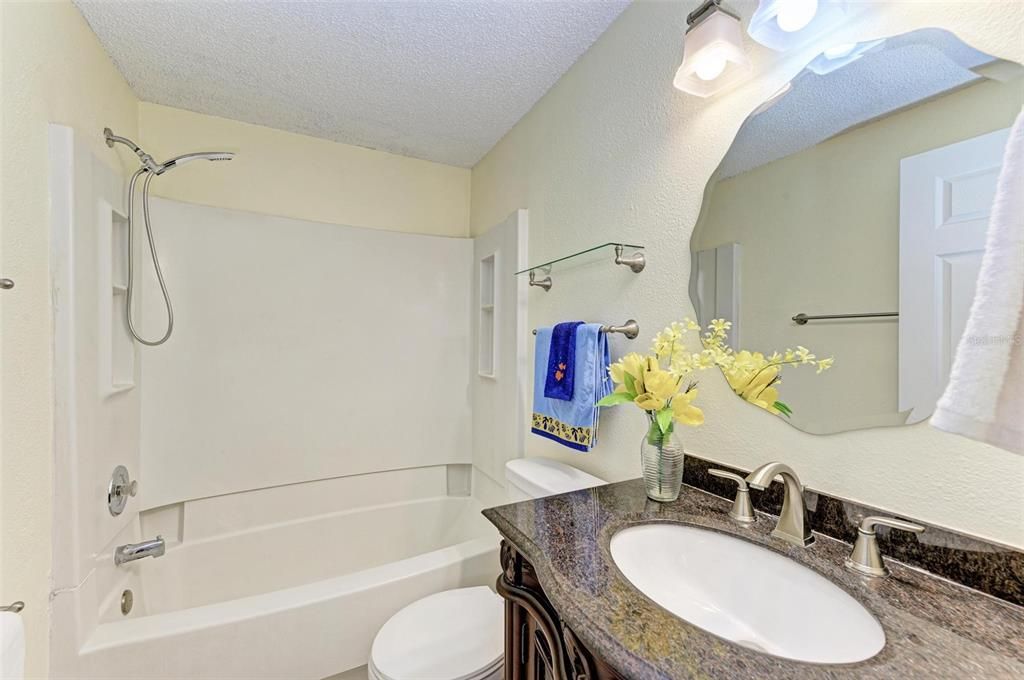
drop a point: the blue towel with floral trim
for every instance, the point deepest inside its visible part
(562, 361)
(572, 423)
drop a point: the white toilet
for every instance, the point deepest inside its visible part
(459, 634)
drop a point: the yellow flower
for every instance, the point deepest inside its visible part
(617, 373)
(767, 400)
(632, 365)
(649, 402)
(659, 387)
(758, 382)
(683, 410)
(660, 383)
(804, 354)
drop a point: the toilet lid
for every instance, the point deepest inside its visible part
(451, 635)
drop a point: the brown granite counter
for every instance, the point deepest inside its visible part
(933, 627)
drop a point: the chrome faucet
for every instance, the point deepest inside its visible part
(793, 526)
(136, 551)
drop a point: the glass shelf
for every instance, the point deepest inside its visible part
(605, 250)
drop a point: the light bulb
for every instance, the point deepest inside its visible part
(710, 66)
(795, 14)
(839, 51)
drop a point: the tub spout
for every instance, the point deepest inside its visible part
(136, 551)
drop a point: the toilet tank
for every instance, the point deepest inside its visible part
(538, 477)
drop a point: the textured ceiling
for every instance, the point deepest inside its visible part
(433, 79)
(906, 70)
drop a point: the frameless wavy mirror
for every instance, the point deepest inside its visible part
(849, 218)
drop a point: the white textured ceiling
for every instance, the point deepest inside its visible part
(434, 79)
(906, 70)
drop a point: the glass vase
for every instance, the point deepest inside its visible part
(661, 455)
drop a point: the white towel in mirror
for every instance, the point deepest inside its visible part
(984, 399)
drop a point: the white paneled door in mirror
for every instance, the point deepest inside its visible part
(859, 199)
(946, 198)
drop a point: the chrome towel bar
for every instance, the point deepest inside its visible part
(801, 318)
(630, 329)
(15, 607)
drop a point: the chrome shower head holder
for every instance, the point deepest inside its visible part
(151, 169)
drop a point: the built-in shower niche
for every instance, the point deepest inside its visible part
(486, 336)
(117, 351)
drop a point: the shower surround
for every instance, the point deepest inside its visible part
(270, 435)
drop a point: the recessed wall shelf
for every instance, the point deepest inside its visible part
(116, 349)
(625, 254)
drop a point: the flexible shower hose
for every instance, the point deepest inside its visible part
(152, 250)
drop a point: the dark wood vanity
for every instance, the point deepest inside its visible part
(538, 644)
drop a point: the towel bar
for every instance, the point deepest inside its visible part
(801, 318)
(13, 607)
(630, 329)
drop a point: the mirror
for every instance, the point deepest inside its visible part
(848, 217)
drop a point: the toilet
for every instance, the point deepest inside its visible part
(459, 634)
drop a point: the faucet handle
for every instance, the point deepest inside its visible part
(866, 557)
(742, 511)
(868, 524)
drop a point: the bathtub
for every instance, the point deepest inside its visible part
(296, 599)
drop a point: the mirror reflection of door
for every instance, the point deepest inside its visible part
(946, 197)
(863, 189)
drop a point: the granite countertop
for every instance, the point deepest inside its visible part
(934, 628)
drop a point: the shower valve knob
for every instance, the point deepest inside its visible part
(121, 487)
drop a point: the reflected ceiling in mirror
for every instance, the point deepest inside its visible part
(861, 191)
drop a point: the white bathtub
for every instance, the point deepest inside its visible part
(298, 599)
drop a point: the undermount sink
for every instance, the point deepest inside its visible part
(747, 594)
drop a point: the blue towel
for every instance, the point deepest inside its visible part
(562, 361)
(572, 423)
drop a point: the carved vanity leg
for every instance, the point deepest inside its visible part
(527, 599)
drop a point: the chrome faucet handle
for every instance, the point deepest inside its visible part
(866, 558)
(742, 510)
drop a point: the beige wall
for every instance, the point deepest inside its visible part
(613, 152)
(290, 175)
(53, 71)
(833, 245)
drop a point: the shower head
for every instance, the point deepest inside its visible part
(150, 165)
(199, 155)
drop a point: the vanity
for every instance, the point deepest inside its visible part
(571, 612)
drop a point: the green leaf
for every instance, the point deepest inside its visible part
(783, 409)
(615, 398)
(665, 419)
(630, 383)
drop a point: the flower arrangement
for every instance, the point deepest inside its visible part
(657, 383)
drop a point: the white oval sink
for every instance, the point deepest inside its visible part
(747, 594)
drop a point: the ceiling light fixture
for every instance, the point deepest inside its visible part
(713, 56)
(785, 24)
